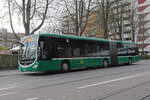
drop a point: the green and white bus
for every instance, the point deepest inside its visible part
(48, 52)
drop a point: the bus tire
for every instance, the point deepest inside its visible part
(130, 61)
(105, 63)
(65, 67)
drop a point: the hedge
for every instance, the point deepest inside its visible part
(144, 56)
(8, 61)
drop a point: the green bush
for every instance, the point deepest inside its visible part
(144, 56)
(8, 61)
(3, 48)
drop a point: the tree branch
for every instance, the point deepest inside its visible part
(11, 23)
(18, 4)
(44, 17)
(87, 16)
(69, 10)
(23, 14)
(33, 10)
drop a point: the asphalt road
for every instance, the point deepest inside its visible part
(129, 82)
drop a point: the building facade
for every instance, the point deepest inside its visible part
(144, 25)
(68, 26)
(119, 21)
(122, 22)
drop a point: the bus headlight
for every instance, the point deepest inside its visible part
(35, 66)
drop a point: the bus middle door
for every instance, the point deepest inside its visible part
(113, 54)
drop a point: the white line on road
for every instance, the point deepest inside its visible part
(11, 87)
(115, 80)
(34, 98)
(4, 94)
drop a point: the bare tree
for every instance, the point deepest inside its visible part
(142, 33)
(124, 19)
(31, 12)
(80, 13)
(118, 18)
(133, 17)
(104, 8)
(10, 18)
(54, 18)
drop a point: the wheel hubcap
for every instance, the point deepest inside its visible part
(105, 63)
(65, 66)
(130, 61)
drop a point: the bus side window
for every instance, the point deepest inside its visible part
(104, 49)
(76, 51)
(45, 48)
(122, 49)
(97, 48)
(86, 49)
(136, 50)
(119, 48)
(132, 49)
(68, 51)
(60, 47)
(93, 48)
(48, 48)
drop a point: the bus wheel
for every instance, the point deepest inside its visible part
(130, 61)
(105, 63)
(65, 66)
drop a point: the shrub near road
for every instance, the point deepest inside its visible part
(144, 56)
(8, 61)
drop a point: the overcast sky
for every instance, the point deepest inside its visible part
(4, 22)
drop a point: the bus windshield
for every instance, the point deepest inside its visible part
(28, 50)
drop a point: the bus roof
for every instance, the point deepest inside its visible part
(80, 38)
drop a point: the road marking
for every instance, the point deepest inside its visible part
(34, 98)
(11, 84)
(115, 80)
(4, 94)
(11, 87)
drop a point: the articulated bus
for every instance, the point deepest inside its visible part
(49, 52)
